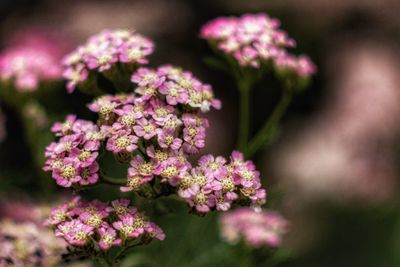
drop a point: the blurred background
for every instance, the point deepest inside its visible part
(333, 170)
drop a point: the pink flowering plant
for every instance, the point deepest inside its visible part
(252, 46)
(149, 123)
(93, 228)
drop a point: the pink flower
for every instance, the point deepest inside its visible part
(102, 51)
(211, 165)
(78, 233)
(30, 62)
(145, 128)
(58, 215)
(121, 207)
(68, 174)
(255, 41)
(89, 174)
(171, 171)
(155, 231)
(264, 228)
(138, 166)
(130, 226)
(122, 141)
(147, 77)
(64, 128)
(167, 139)
(201, 201)
(174, 93)
(108, 237)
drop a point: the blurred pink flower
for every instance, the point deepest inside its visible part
(31, 58)
(347, 152)
(263, 228)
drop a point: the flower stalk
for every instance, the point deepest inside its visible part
(265, 134)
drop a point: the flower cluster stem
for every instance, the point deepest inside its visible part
(265, 134)
(113, 181)
(244, 117)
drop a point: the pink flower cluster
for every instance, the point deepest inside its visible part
(27, 244)
(254, 40)
(302, 65)
(264, 228)
(72, 160)
(216, 184)
(28, 64)
(97, 224)
(103, 51)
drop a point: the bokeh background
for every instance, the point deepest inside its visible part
(333, 170)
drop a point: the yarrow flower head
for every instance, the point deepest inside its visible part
(102, 52)
(216, 184)
(72, 160)
(27, 64)
(255, 40)
(94, 225)
(263, 228)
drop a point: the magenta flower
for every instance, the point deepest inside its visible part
(301, 66)
(105, 107)
(252, 39)
(121, 207)
(145, 128)
(108, 237)
(102, 51)
(64, 128)
(174, 93)
(89, 174)
(75, 76)
(122, 141)
(78, 233)
(31, 61)
(159, 111)
(211, 165)
(145, 77)
(167, 139)
(155, 231)
(58, 215)
(130, 226)
(68, 174)
(171, 171)
(201, 201)
(140, 167)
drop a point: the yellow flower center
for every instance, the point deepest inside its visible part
(123, 142)
(161, 155)
(192, 132)
(128, 120)
(134, 182)
(146, 168)
(81, 235)
(169, 139)
(170, 171)
(84, 155)
(68, 172)
(148, 128)
(94, 221)
(106, 109)
(227, 184)
(200, 198)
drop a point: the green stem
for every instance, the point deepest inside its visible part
(124, 250)
(244, 116)
(265, 134)
(112, 181)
